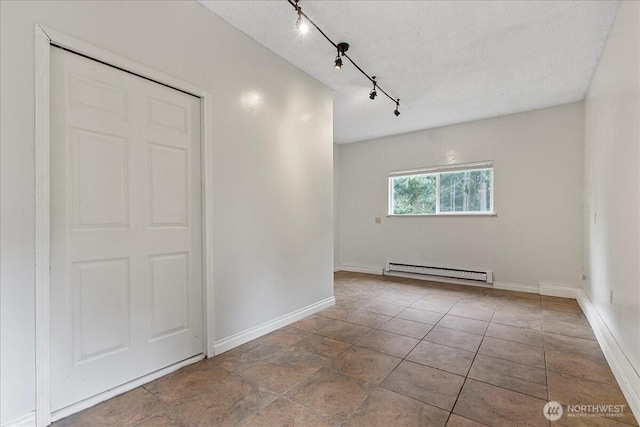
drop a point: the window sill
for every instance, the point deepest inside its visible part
(447, 214)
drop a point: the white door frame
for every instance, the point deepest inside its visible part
(44, 38)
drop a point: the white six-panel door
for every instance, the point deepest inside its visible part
(126, 253)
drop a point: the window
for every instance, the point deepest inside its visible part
(445, 190)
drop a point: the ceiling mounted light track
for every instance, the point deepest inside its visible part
(302, 26)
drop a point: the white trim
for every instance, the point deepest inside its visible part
(552, 290)
(336, 268)
(43, 40)
(357, 269)
(247, 335)
(207, 220)
(627, 377)
(442, 214)
(541, 289)
(42, 227)
(518, 287)
(28, 420)
(94, 400)
(454, 167)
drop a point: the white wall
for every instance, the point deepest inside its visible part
(612, 185)
(272, 164)
(536, 236)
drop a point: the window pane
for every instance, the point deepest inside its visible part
(466, 191)
(414, 195)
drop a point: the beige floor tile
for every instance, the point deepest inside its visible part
(513, 351)
(385, 308)
(331, 394)
(281, 371)
(230, 402)
(465, 324)
(453, 338)
(405, 327)
(398, 298)
(513, 376)
(439, 304)
(442, 357)
(577, 365)
(561, 316)
(495, 406)
(388, 343)
(570, 390)
(572, 345)
(422, 316)
(283, 412)
(458, 421)
(322, 346)
(571, 329)
(513, 333)
(169, 418)
(343, 331)
(385, 408)
(521, 317)
(312, 323)
(187, 381)
(560, 304)
(125, 410)
(365, 364)
(359, 317)
(428, 385)
(474, 310)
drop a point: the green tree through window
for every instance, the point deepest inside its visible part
(457, 191)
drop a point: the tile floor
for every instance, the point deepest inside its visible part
(392, 352)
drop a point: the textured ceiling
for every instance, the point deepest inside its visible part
(447, 61)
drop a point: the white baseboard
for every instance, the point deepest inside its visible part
(358, 269)
(28, 420)
(116, 391)
(336, 268)
(247, 335)
(552, 290)
(518, 287)
(627, 377)
(548, 289)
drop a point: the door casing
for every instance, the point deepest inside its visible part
(44, 38)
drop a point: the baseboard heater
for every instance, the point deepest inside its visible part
(450, 273)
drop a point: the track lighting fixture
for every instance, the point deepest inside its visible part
(338, 62)
(373, 93)
(342, 48)
(302, 24)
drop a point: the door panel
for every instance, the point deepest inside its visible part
(126, 257)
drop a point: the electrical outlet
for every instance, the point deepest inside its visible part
(378, 220)
(610, 297)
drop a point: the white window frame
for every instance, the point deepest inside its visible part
(437, 170)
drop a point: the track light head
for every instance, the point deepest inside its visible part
(396, 112)
(373, 93)
(301, 25)
(342, 48)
